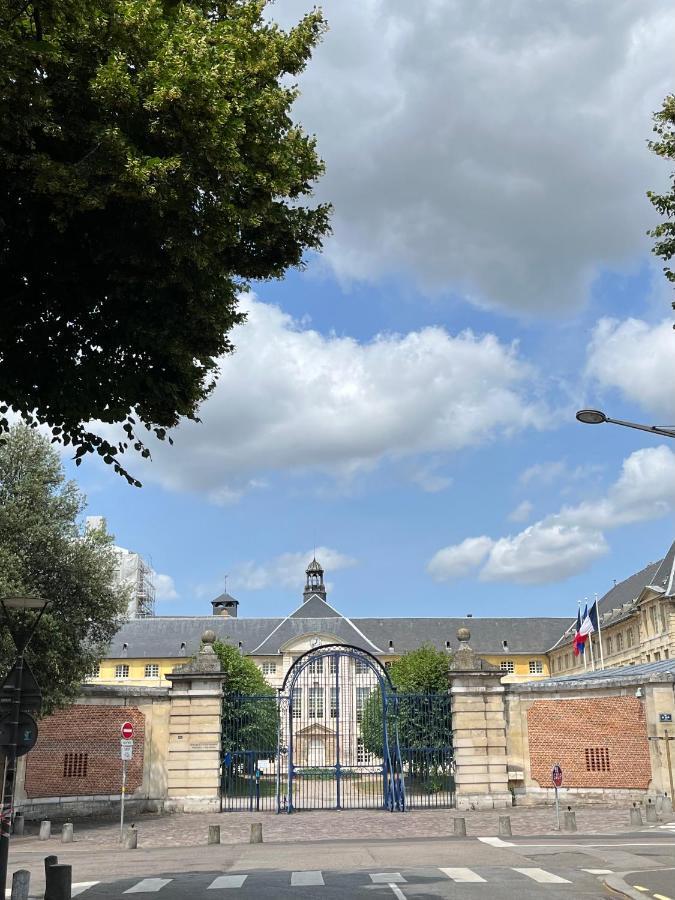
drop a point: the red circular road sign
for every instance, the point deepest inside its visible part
(127, 730)
(557, 775)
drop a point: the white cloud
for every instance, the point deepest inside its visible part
(453, 562)
(638, 359)
(430, 480)
(165, 589)
(522, 512)
(490, 147)
(544, 473)
(292, 399)
(565, 543)
(287, 570)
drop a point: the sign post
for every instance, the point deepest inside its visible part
(557, 779)
(126, 752)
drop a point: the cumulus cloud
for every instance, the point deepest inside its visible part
(492, 148)
(522, 512)
(637, 359)
(453, 562)
(288, 569)
(291, 399)
(567, 542)
(165, 589)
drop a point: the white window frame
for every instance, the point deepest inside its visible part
(536, 667)
(507, 666)
(269, 668)
(151, 670)
(122, 671)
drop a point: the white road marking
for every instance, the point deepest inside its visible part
(398, 893)
(306, 878)
(81, 886)
(387, 878)
(227, 881)
(462, 875)
(148, 886)
(598, 871)
(542, 876)
(496, 842)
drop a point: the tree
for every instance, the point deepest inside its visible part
(44, 552)
(149, 170)
(664, 146)
(250, 718)
(420, 714)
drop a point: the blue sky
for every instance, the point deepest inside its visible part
(406, 404)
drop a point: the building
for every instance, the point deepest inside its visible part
(133, 574)
(145, 651)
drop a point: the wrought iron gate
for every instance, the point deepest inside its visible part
(337, 736)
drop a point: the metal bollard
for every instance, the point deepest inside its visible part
(667, 808)
(635, 815)
(504, 826)
(256, 833)
(214, 834)
(18, 825)
(651, 811)
(130, 839)
(67, 833)
(59, 882)
(45, 830)
(20, 884)
(50, 861)
(460, 826)
(570, 820)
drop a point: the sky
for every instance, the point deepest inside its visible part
(405, 405)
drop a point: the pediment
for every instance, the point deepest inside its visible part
(304, 642)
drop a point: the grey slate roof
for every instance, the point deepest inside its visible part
(664, 576)
(161, 636)
(652, 671)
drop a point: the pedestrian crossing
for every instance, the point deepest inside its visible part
(195, 882)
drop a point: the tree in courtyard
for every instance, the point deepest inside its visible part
(149, 170)
(664, 146)
(420, 710)
(250, 718)
(44, 552)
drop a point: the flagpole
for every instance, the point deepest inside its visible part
(583, 651)
(602, 655)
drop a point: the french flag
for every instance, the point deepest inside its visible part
(579, 638)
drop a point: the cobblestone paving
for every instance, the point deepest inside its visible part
(186, 830)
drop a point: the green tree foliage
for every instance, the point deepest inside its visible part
(421, 713)
(248, 724)
(44, 552)
(664, 146)
(149, 169)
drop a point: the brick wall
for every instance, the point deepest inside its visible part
(599, 742)
(78, 753)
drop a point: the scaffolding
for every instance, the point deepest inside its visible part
(134, 574)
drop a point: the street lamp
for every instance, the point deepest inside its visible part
(11, 696)
(597, 417)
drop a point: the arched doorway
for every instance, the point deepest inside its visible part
(338, 733)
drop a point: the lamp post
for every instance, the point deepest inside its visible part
(13, 687)
(597, 417)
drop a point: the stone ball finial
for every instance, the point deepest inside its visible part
(209, 637)
(463, 635)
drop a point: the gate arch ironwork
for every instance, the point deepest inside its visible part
(331, 739)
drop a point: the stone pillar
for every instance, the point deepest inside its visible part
(478, 730)
(193, 761)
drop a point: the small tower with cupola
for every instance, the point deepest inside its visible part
(314, 586)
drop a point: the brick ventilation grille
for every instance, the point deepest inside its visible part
(597, 759)
(584, 736)
(78, 753)
(75, 765)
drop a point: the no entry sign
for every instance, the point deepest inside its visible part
(127, 730)
(557, 775)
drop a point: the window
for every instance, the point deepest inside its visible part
(269, 668)
(362, 757)
(506, 665)
(652, 618)
(362, 694)
(95, 671)
(122, 671)
(315, 703)
(315, 666)
(361, 667)
(608, 644)
(666, 655)
(536, 667)
(75, 765)
(657, 656)
(389, 663)
(333, 703)
(333, 665)
(567, 660)
(297, 703)
(664, 625)
(630, 637)
(619, 641)
(597, 759)
(152, 670)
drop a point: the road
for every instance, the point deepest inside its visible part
(480, 867)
